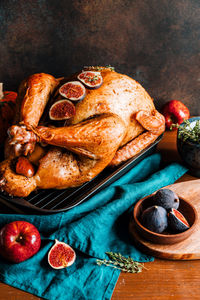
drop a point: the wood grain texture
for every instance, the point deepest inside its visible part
(163, 280)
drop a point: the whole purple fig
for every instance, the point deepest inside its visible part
(155, 219)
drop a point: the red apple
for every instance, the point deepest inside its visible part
(175, 112)
(19, 240)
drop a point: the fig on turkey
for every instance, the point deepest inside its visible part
(62, 110)
(73, 90)
(167, 199)
(61, 255)
(177, 221)
(91, 79)
(155, 219)
(24, 167)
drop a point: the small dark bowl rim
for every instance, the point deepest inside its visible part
(188, 141)
(166, 236)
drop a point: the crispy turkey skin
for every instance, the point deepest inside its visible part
(111, 124)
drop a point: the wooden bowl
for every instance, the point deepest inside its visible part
(186, 208)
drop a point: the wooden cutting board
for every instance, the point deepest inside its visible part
(188, 249)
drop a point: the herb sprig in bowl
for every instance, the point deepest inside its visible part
(188, 144)
(188, 132)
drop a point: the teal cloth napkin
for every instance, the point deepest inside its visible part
(92, 228)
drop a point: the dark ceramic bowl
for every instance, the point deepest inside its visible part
(190, 152)
(166, 238)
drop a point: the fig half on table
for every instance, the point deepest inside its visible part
(61, 255)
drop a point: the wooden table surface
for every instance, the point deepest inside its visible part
(162, 279)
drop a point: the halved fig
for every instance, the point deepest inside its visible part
(61, 255)
(177, 221)
(62, 110)
(91, 79)
(73, 90)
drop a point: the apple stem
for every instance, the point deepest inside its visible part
(19, 238)
(1, 91)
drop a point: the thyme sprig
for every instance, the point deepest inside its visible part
(97, 68)
(186, 132)
(110, 67)
(120, 262)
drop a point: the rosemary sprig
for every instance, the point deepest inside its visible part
(186, 132)
(120, 262)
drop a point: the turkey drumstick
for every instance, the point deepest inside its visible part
(34, 93)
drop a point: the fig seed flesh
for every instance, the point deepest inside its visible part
(62, 110)
(73, 90)
(177, 221)
(61, 255)
(91, 79)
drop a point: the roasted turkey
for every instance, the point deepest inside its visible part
(111, 124)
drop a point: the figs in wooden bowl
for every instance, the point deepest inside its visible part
(167, 236)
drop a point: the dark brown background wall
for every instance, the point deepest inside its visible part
(155, 41)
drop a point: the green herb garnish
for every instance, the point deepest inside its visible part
(91, 79)
(97, 68)
(111, 68)
(120, 262)
(186, 132)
